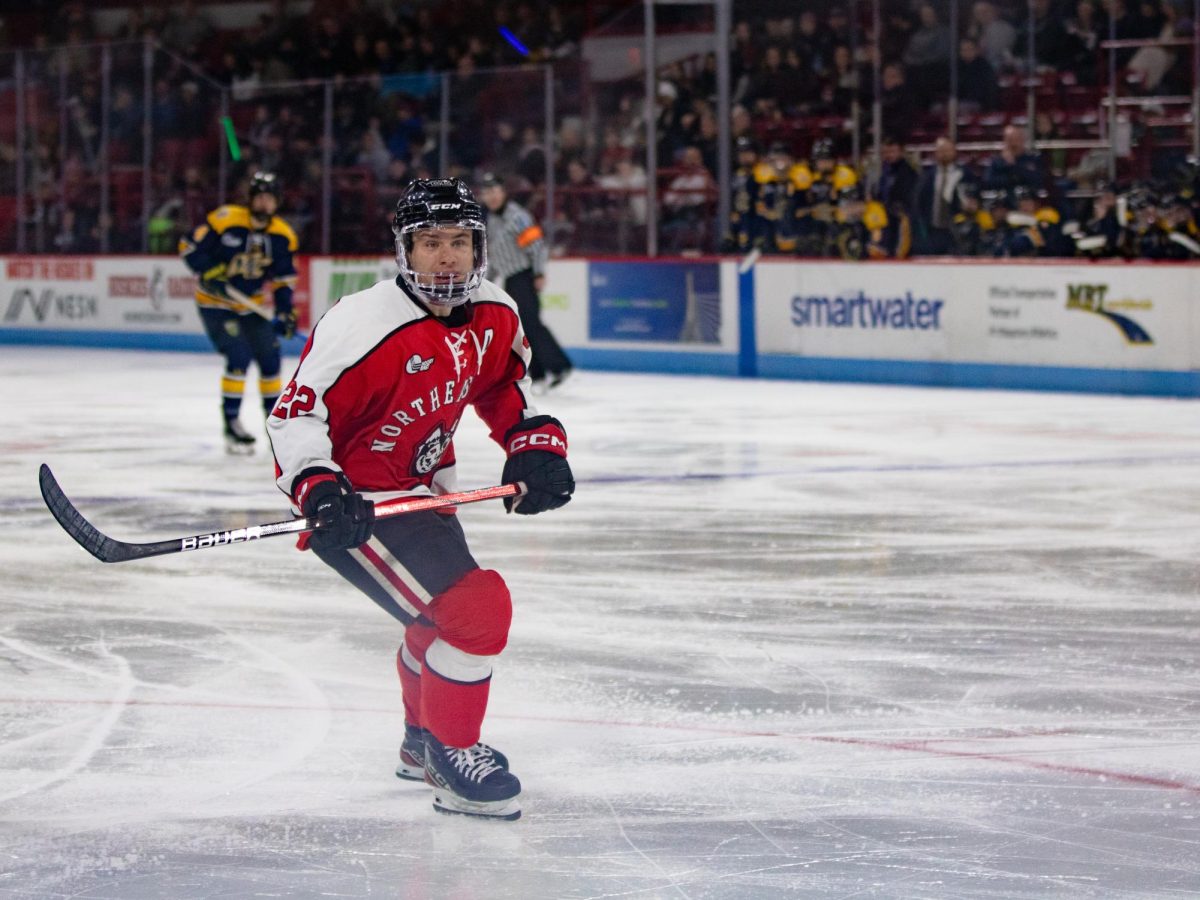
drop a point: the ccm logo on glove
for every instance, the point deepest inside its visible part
(550, 438)
(537, 457)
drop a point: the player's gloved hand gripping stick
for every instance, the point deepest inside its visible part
(537, 459)
(108, 550)
(344, 518)
(283, 321)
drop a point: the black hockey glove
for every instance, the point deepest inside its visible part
(214, 287)
(344, 518)
(537, 456)
(284, 323)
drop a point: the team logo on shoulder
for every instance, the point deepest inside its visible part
(430, 451)
(415, 364)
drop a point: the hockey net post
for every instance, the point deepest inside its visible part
(110, 550)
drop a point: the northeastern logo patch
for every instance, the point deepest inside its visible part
(430, 451)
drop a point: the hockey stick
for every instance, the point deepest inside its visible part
(248, 303)
(108, 550)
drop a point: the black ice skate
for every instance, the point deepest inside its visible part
(556, 379)
(238, 441)
(470, 782)
(412, 754)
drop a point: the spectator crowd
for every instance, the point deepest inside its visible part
(1000, 207)
(803, 88)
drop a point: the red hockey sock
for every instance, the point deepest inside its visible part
(410, 661)
(453, 708)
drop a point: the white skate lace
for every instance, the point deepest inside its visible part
(472, 762)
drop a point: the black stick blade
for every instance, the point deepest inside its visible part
(85, 534)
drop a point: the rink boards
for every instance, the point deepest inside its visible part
(1120, 328)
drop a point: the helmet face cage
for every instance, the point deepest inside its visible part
(432, 204)
(264, 183)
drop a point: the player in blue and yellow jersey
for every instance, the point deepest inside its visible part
(1182, 233)
(971, 222)
(862, 228)
(1037, 226)
(238, 252)
(816, 190)
(773, 199)
(745, 231)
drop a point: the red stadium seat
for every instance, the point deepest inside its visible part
(8, 223)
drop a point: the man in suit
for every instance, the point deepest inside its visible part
(937, 200)
(897, 180)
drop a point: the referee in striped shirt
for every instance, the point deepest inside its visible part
(517, 257)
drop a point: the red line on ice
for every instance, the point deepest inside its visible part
(910, 746)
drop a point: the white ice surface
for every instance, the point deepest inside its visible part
(789, 640)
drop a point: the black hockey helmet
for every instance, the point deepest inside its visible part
(822, 148)
(996, 200)
(852, 193)
(264, 183)
(490, 180)
(1021, 192)
(1141, 197)
(440, 203)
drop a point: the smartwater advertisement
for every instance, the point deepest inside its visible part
(1099, 316)
(676, 303)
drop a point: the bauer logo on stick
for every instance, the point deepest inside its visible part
(240, 535)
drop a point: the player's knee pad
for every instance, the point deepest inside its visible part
(474, 614)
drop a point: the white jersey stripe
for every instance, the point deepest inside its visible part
(386, 558)
(390, 581)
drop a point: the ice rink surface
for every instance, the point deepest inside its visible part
(790, 640)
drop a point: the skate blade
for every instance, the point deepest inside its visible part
(506, 810)
(410, 773)
(234, 449)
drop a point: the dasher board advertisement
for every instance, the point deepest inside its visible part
(1097, 316)
(74, 293)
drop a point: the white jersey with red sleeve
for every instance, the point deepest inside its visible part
(382, 385)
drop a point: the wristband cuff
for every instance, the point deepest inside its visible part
(539, 433)
(304, 487)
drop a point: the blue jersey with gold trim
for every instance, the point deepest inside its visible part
(228, 250)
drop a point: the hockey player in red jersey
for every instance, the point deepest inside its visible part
(371, 413)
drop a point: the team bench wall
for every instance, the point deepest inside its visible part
(1123, 328)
